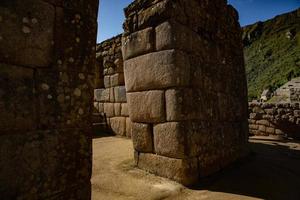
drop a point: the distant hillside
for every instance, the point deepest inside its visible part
(272, 52)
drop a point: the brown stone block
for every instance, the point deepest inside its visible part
(107, 81)
(157, 70)
(111, 95)
(142, 137)
(263, 122)
(117, 80)
(169, 139)
(27, 33)
(137, 43)
(109, 109)
(18, 103)
(117, 109)
(184, 171)
(124, 110)
(118, 125)
(101, 107)
(147, 107)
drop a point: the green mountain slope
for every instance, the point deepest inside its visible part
(272, 52)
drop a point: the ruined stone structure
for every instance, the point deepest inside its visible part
(110, 95)
(289, 92)
(186, 86)
(47, 58)
(275, 120)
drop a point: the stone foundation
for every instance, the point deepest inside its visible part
(186, 87)
(46, 89)
(274, 120)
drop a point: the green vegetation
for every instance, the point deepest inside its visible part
(272, 52)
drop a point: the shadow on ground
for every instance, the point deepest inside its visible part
(272, 171)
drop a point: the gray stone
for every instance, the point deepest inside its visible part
(120, 94)
(101, 95)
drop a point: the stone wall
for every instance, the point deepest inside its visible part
(276, 120)
(186, 86)
(46, 80)
(110, 95)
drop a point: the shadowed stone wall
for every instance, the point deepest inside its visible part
(110, 95)
(186, 86)
(47, 58)
(275, 120)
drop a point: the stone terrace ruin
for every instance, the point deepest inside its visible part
(185, 98)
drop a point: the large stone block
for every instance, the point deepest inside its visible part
(117, 79)
(137, 43)
(118, 125)
(101, 95)
(147, 107)
(172, 35)
(184, 171)
(27, 29)
(142, 137)
(120, 94)
(157, 70)
(169, 139)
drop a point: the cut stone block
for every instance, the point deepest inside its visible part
(147, 107)
(109, 109)
(118, 125)
(184, 171)
(101, 107)
(169, 139)
(120, 94)
(107, 81)
(137, 43)
(117, 109)
(142, 137)
(124, 109)
(111, 95)
(117, 79)
(157, 70)
(101, 95)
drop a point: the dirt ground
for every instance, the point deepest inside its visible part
(272, 171)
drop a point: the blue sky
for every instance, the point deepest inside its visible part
(111, 17)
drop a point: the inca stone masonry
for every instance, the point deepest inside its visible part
(174, 82)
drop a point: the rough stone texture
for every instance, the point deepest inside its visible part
(191, 88)
(275, 120)
(137, 43)
(46, 77)
(147, 107)
(118, 125)
(120, 94)
(142, 137)
(160, 70)
(182, 170)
